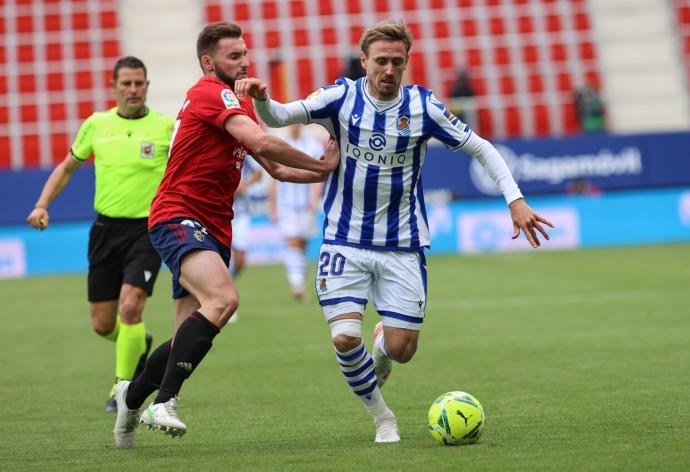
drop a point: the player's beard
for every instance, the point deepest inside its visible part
(225, 78)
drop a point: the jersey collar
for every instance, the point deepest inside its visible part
(389, 105)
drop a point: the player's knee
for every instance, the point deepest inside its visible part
(100, 327)
(222, 308)
(344, 343)
(130, 311)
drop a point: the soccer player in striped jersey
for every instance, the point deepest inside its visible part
(292, 206)
(375, 229)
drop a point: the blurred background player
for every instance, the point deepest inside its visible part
(241, 220)
(293, 207)
(130, 147)
(190, 224)
(376, 231)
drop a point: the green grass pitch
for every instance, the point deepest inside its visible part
(580, 358)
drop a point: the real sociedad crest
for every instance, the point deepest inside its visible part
(404, 125)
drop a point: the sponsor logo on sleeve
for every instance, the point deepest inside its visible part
(315, 93)
(229, 99)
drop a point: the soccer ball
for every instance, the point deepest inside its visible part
(456, 418)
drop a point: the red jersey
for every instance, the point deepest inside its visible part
(205, 161)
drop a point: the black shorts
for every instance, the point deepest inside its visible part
(120, 252)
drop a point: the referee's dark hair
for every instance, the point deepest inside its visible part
(130, 62)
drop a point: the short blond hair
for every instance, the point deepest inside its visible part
(387, 30)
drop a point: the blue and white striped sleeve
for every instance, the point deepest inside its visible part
(445, 126)
(323, 105)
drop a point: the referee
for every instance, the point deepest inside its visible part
(130, 147)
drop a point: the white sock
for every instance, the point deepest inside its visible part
(296, 267)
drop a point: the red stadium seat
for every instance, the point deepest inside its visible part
(80, 21)
(445, 59)
(441, 29)
(353, 7)
(305, 78)
(298, 9)
(512, 121)
(31, 150)
(507, 85)
(5, 149)
(381, 6)
(586, 51)
(485, 126)
(525, 25)
(56, 112)
(24, 24)
(59, 144)
(542, 127)
(530, 54)
(269, 10)
(501, 56)
(564, 82)
(569, 115)
(27, 83)
(535, 83)
(581, 21)
(553, 23)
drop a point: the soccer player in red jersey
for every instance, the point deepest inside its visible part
(189, 222)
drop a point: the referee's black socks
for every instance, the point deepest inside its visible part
(193, 340)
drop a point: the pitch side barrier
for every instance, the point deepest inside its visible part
(554, 165)
(460, 227)
(541, 166)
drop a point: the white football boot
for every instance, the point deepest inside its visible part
(382, 363)
(162, 416)
(127, 421)
(387, 429)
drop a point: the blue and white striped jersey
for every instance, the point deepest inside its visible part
(240, 205)
(292, 196)
(374, 199)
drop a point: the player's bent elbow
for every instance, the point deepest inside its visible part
(260, 145)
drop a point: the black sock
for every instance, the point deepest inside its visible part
(150, 378)
(193, 340)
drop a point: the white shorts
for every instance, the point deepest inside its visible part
(345, 276)
(296, 223)
(241, 226)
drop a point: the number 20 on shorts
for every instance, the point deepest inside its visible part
(335, 263)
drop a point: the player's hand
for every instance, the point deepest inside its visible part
(527, 221)
(331, 155)
(38, 218)
(252, 87)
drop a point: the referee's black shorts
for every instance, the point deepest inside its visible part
(120, 252)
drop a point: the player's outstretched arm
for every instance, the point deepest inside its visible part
(300, 176)
(57, 181)
(527, 221)
(272, 148)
